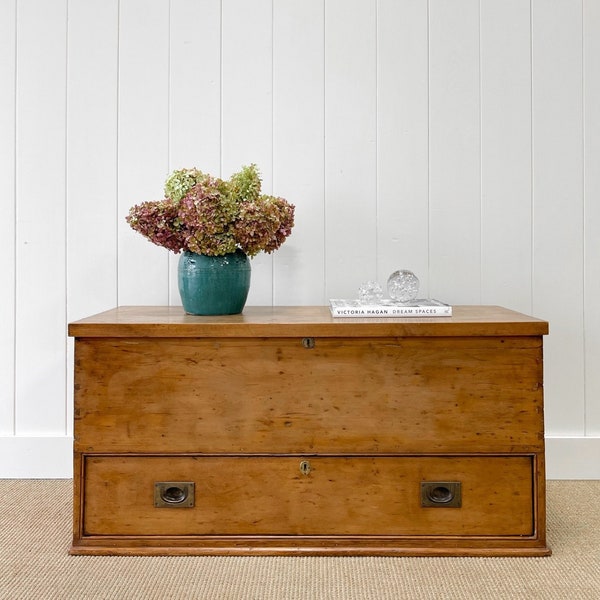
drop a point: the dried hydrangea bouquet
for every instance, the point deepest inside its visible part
(217, 224)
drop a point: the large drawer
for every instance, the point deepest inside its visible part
(390, 395)
(304, 495)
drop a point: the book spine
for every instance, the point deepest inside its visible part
(373, 312)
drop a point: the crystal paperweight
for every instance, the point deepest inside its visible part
(403, 285)
(370, 293)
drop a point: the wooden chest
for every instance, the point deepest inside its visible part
(285, 431)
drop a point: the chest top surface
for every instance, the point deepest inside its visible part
(313, 321)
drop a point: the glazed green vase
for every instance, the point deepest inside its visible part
(214, 285)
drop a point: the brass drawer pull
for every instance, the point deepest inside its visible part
(174, 494)
(441, 494)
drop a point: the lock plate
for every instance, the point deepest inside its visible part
(308, 342)
(305, 467)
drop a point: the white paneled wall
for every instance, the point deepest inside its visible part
(506, 160)
(454, 151)
(402, 139)
(591, 215)
(558, 205)
(459, 138)
(350, 99)
(8, 217)
(40, 225)
(298, 147)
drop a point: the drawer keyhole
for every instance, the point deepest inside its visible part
(305, 467)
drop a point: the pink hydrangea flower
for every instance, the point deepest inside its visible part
(207, 215)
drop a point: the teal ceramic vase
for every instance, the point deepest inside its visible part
(214, 285)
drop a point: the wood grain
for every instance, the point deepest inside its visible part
(274, 395)
(246, 495)
(234, 404)
(284, 321)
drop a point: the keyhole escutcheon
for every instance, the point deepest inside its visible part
(305, 467)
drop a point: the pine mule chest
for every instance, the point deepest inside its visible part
(284, 431)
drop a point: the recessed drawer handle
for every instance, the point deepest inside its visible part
(174, 494)
(441, 494)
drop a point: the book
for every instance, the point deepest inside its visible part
(424, 307)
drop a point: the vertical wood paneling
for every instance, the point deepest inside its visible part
(558, 205)
(506, 205)
(454, 151)
(298, 172)
(91, 174)
(194, 94)
(40, 216)
(247, 108)
(350, 146)
(92, 157)
(7, 209)
(195, 85)
(459, 139)
(591, 149)
(402, 140)
(143, 149)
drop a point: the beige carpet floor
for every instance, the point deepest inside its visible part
(35, 530)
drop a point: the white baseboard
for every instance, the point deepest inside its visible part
(572, 457)
(43, 457)
(51, 457)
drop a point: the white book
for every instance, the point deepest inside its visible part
(423, 307)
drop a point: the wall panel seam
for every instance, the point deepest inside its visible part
(376, 121)
(532, 161)
(325, 271)
(583, 219)
(169, 128)
(118, 145)
(14, 231)
(66, 218)
(272, 163)
(481, 204)
(428, 233)
(221, 88)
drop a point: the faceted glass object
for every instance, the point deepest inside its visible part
(403, 285)
(370, 293)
